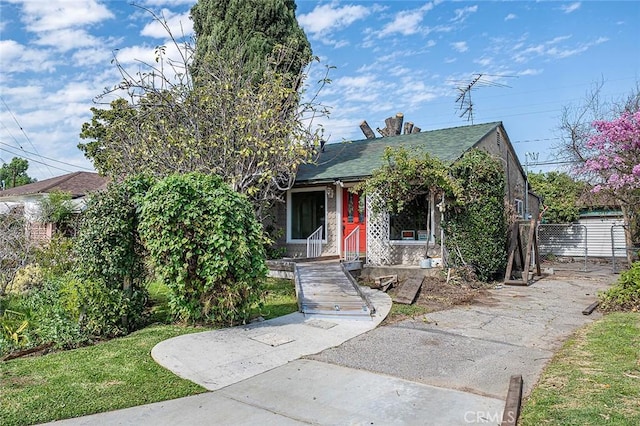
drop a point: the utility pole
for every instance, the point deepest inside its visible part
(533, 156)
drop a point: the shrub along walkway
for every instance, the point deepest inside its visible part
(442, 368)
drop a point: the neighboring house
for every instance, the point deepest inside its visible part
(320, 196)
(28, 197)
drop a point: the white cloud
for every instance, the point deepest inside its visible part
(484, 61)
(91, 56)
(407, 22)
(530, 71)
(158, 3)
(15, 57)
(415, 92)
(52, 15)
(136, 54)
(569, 8)
(364, 88)
(430, 43)
(329, 17)
(179, 25)
(462, 14)
(67, 39)
(510, 16)
(460, 46)
(554, 49)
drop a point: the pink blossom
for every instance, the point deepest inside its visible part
(616, 153)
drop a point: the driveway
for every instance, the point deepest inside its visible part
(445, 368)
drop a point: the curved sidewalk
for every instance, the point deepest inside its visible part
(219, 358)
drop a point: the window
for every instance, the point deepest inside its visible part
(518, 205)
(307, 214)
(411, 223)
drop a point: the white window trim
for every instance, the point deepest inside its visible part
(289, 213)
(519, 207)
(432, 219)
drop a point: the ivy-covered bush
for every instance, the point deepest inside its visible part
(625, 293)
(108, 246)
(207, 245)
(57, 257)
(476, 225)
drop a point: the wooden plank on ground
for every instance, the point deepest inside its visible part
(589, 309)
(408, 290)
(514, 399)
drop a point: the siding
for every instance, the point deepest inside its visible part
(599, 236)
(571, 240)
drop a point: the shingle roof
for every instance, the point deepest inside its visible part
(357, 159)
(78, 184)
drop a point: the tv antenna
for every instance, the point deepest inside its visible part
(479, 80)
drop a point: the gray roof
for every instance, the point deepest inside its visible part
(78, 184)
(358, 159)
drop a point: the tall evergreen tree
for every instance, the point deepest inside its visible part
(253, 27)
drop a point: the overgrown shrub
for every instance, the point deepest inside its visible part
(51, 320)
(108, 246)
(27, 278)
(625, 294)
(16, 249)
(13, 331)
(476, 225)
(58, 208)
(207, 245)
(57, 257)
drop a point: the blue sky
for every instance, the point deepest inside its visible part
(390, 56)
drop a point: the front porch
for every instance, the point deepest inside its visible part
(330, 220)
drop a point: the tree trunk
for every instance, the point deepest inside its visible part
(408, 126)
(390, 125)
(364, 126)
(397, 128)
(127, 288)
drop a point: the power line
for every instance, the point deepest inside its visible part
(36, 161)
(24, 133)
(51, 159)
(537, 140)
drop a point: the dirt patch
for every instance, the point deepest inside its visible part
(436, 294)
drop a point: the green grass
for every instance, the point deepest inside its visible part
(593, 380)
(281, 299)
(116, 374)
(400, 311)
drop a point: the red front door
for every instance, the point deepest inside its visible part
(353, 215)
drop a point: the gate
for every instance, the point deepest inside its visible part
(564, 244)
(619, 248)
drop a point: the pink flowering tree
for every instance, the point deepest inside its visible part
(614, 166)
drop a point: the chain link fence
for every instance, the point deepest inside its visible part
(564, 244)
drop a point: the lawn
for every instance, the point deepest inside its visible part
(593, 380)
(111, 375)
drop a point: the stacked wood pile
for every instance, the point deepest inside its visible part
(393, 127)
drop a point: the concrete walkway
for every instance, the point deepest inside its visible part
(219, 358)
(477, 348)
(445, 368)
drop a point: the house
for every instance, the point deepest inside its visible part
(28, 197)
(320, 201)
